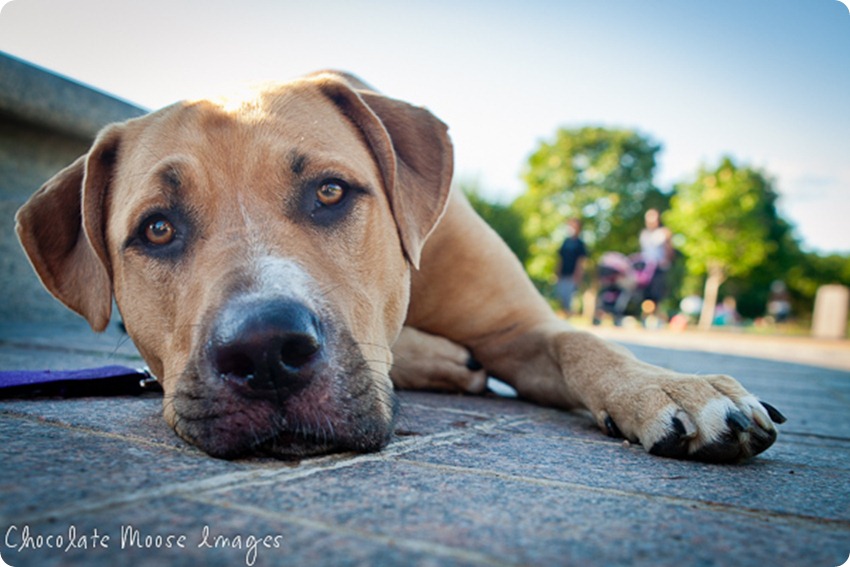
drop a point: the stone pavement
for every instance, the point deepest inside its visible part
(467, 481)
(827, 353)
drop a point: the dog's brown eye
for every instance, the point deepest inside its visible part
(330, 193)
(159, 232)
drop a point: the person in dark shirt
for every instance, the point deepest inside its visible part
(570, 268)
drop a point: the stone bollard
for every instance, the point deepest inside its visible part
(830, 317)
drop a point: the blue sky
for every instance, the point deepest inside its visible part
(766, 81)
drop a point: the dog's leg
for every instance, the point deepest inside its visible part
(422, 361)
(473, 291)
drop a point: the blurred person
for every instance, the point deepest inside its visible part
(779, 302)
(691, 305)
(656, 248)
(570, 266)
(689, 309)
(726, 313)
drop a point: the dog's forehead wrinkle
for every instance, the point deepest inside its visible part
(172, 176)
(169, 180)
(297, 162)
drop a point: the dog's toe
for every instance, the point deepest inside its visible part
(676, 444)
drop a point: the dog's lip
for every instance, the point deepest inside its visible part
(272, 433)
(280, 441)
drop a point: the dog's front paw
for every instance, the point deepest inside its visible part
(428, 362)
(706, 418)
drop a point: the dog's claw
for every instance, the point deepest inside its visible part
(612, 429)
(737, 421)
(684, 425)
(774, 413)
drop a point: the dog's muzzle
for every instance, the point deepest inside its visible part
(276, 377)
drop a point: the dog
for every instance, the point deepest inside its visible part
(271, 255)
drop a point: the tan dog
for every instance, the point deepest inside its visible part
(266, 252)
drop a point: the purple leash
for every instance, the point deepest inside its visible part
(102, 381)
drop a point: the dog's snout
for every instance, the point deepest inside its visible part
(266, 345)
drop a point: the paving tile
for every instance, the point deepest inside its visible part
(793, 450)
(521, 520)
(137, 418)
(755, 370)
(212, 535)
(771, 486)
(46, 467)
(488, 405)
(424, 414)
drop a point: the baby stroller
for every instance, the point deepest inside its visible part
(622, 280)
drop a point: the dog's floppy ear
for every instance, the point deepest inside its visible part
(412, 148)
(61, 228)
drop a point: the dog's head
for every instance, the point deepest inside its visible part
(259, 251)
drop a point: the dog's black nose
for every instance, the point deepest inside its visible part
(266, 344)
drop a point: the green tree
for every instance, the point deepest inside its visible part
(502, 218)
(753, 290)
(812, 271)
(723, 217)
(602, 176)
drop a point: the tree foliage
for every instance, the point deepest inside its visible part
(502, 218)
(728, 227)
(784, 257)
(602, 176)
(724, 217)
(810, 272)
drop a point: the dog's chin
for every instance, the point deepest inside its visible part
(291, 446)
(284, 445)
(264, 429)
